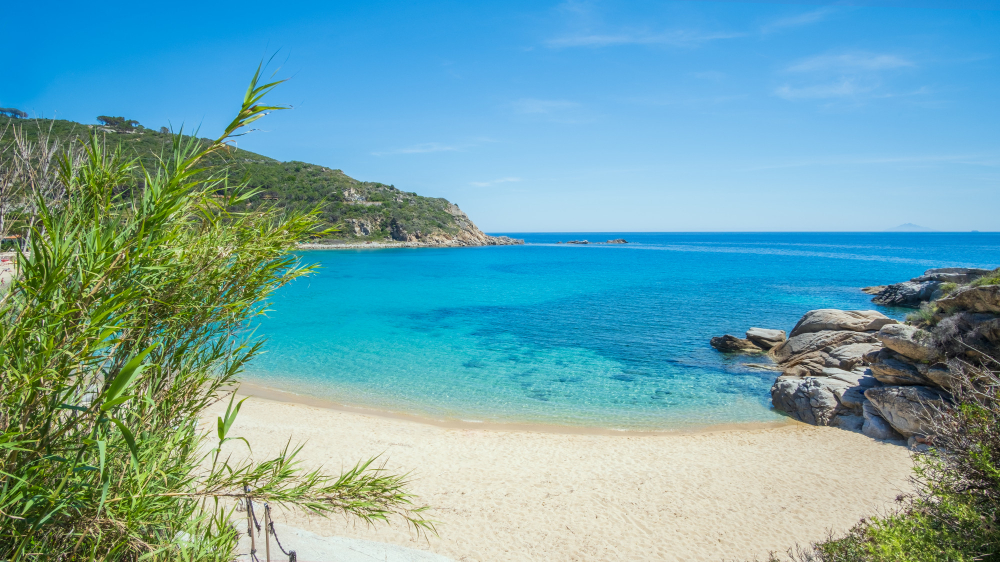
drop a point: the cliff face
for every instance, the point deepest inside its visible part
(467, 234)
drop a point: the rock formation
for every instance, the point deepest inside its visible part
(925, 288)
(733, 344)
(764, 338)
(862, 371)
(832, 319)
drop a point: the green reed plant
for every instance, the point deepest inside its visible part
(127, 318)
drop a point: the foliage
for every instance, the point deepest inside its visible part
(118, 124)
(12, 112)
(992, 278)
(947, 288)
(358, 210)
(127, 318)
(923, 316)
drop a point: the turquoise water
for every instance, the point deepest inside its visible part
(610, 336)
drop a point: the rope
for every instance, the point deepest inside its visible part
(290, 554)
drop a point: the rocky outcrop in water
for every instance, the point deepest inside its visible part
(733, 344)
(765, 338)
(927, 287)
(862, 371)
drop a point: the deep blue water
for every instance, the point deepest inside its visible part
(611, 336)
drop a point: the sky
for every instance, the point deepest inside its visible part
(684, 115)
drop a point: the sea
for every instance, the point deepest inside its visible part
(600, 336)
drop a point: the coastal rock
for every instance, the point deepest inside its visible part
(833, 398)
(811, 400)
(889, 368)
(852, 355)
(982, 299)
(833, 319)
(617, 241)
(908, 341)
(853, 399)
(908, 409)
(733, 344)
(875, 425)
(871, 356)
(907, 294)
(850, 422)
(873, 290)
(959, 275)
(925, 287)
(940, 374)
(765, 338)
(816, 341)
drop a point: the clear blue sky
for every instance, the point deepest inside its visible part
(573, 116)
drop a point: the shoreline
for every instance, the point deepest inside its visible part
(530, 495)
(454, 243)
(283, 396)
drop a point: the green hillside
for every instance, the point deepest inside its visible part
(362, 211)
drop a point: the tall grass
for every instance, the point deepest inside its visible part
(127, 318)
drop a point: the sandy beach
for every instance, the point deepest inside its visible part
(498, 495)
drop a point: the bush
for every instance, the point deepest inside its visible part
(988, 279)
(126, 319)
(923, 316)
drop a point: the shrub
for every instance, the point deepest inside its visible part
(946, 288)
(126, 319)
(923, 316)
(988, 279)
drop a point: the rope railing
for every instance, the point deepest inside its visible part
(252, 523)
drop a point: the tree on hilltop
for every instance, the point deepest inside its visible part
(118, 124)
(12, 112)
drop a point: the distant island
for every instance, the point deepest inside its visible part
(910, 227)
(366, 214)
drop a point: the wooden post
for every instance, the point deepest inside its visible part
(253, 544)
(267, 533)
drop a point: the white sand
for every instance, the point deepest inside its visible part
(523, 495)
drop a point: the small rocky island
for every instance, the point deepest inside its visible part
(863, 371)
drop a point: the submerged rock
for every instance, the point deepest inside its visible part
(765, 338)
(873, 290)
(833, 319)
(733, 344)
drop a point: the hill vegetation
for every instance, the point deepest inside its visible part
(360, 211)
